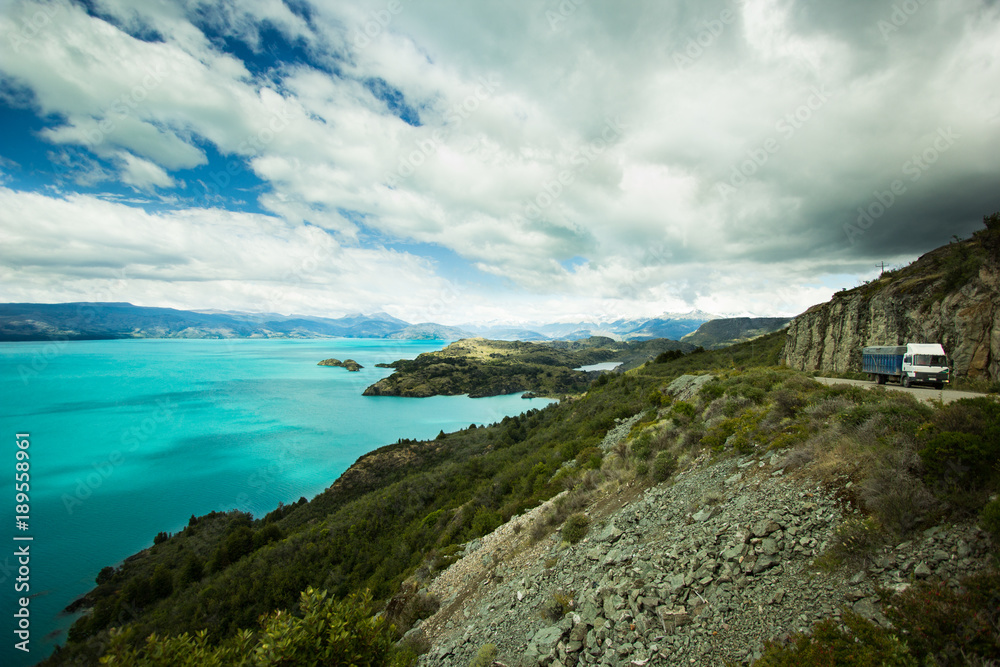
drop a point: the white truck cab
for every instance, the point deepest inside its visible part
(924, 363)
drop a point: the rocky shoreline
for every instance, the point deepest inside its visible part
(700, 570)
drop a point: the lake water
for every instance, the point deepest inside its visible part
(603, 366)
(132, 437)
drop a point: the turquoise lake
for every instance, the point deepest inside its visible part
(129, 438)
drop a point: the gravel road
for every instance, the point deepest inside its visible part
(922, 393)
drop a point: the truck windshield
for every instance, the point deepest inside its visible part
(929, 360)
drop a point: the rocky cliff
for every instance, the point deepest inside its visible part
(950, 296)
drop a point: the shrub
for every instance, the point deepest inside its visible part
(325, 632)
(642, 446)
(669, 355)
(105, 575)
(856, 415)
(409, 606)
(485, 521)
(712, 390)
(956, 459)
(854, 544)
(590, 458)
(683, 412)
(989, 519)
(557, 606)
(575, 528)
(539, 530)
(896, 497)
(664, 466)
(856, 643)
(944, 627)
(787, 402)
(484, 656)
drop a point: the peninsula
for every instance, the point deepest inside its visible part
(480, 367)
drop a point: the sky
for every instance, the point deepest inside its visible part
(457, 162)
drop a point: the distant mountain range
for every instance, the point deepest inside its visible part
(93, 321)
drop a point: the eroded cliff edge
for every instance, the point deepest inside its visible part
(950, 295)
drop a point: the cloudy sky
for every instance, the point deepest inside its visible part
(470, 161)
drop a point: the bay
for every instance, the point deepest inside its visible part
(132, 437)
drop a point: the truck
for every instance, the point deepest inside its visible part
(910, 364)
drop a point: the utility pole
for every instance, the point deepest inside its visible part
(882, 267)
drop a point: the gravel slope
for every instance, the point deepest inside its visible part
(697, 571)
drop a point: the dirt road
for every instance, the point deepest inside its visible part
(922, 393)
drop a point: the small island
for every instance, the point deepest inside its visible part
(349, 364)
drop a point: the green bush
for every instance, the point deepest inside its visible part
(712, 390)
(556, 607)
(683, 410)
(664, 466)
(944, 627)
(857, 642)
(485, 521)
(575, 528)
(854, 544)
(956, 459)
(642, 446)
(669, 355)
(484, 656)
(989, 519)
(326, 631)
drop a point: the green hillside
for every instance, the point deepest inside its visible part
(401, 512)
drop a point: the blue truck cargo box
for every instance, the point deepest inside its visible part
(884, 360)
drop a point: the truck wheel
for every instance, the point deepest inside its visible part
(879, 379)
(906, 381)
(939, 386)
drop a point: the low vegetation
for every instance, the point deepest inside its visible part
(404, 511)
(932, 625)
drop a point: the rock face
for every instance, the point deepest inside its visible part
(949, 296)
(349, 364)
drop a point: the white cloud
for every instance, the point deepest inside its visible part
(143, 174)
(804, 111)
(194, 258)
